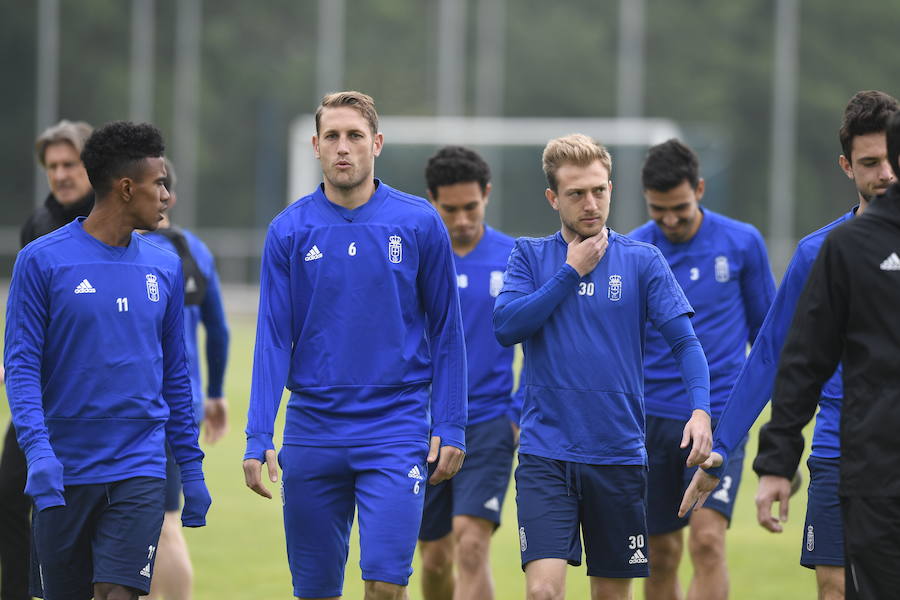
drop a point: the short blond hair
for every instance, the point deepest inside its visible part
(576, 149)
(362, 103)
(73, 133)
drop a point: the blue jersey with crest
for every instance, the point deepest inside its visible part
(584, 398)
(479, 276)
(757, 378)
(96, 370)
(358, 316)
(724, 272)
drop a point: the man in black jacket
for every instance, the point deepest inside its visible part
(58, 150)
(849, 314)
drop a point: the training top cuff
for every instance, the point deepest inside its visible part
(257, 444)
(451, 435)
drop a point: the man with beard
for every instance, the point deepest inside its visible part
(359, 318)
(579, 301)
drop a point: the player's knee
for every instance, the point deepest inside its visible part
(437, 558)
(545, 590)
(707, 546)
(472, 553)
(380, 590)
(665, 553)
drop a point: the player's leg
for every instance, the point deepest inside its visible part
(473, 546)
(666, 550)
(665, 487)
(126, 537)
(15, 506)
(823, 531)
(112, 591)
(62, 566)
(708, 526)
(317, 494)
(390, 493)
(547, 505)
(603, 588)
(437, 568)
(478, 493)
(872, 543)
(545, 579)
(706, 544)
(613, 512)
(830, 582)
(436, 540)
(173, 576)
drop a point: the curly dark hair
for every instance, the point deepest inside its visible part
(456, 164)
(668, 164)
(866, 112)
(116, 150)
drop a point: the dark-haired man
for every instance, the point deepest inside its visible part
(58, 150)
(461, 514)
(865, 161)
(97, 379)
(723, 268)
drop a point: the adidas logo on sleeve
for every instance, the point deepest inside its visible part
(85, 287)
(313, 254)
(891, 263)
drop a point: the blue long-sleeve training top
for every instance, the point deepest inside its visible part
(358, 316)
(724, 272)
(583, 340)
(479, 276)
(753, 387)
(210, 312)
(96, 370)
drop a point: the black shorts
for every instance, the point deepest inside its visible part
(871, 546)
(606, 504)
(106, 533)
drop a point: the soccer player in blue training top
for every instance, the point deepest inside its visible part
(359, 318)
(722, 266)
(460, 515)
(173, 579)
(865, 161)
(98, 381)
(579, 301)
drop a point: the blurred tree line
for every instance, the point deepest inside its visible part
(709, 66)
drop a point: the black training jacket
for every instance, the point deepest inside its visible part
(52, 215)
(849, 311)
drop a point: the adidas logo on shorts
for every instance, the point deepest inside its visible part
(415, 473)
(493, 504)
(637, 558)
(146, 571)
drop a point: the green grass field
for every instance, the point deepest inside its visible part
(241, 553)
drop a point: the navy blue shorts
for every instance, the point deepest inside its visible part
(823, 531)
(321, 490)
(479, 487)
(173, 482)
(106, 533)
(607, 503)
(669, 477)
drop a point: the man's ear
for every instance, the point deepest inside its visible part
(552, 198)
